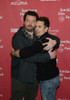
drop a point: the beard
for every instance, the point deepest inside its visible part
(29, 28)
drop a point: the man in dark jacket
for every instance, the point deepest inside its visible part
(24, 81)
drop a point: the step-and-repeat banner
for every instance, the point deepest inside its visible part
(11, 18)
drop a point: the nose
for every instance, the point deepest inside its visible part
(30, 23)
(36, 29)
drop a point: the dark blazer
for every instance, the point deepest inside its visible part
(21, 69)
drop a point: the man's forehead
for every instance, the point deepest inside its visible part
(40, 22)
(30, 16)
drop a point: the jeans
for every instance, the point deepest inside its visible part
(49, 87)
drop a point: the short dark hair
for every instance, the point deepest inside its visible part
(32, 13)
(45, 20)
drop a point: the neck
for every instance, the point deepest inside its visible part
(30, 33)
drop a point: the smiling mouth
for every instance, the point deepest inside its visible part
(37, 32)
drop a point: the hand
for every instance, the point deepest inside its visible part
(15, 52)
(49, 44)
(52, 54)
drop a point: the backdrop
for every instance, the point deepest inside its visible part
(11, 18)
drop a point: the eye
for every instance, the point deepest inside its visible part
(39, 26)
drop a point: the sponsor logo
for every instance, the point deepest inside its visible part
(64, 14)
(14, 30)
(19, 2)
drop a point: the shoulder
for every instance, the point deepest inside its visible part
(19, 33)
(52, 36)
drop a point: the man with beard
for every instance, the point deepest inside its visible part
(24, 83)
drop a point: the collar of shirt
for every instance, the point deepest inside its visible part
(27, 35)
(30, 37)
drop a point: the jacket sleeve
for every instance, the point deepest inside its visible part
(40, 57)
(31, 50)
(17, 42)
(30, 53)
(37, 47)
(57, 40)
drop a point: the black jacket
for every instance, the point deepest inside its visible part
(46, 70)
(21, 69)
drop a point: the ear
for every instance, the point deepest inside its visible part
(46, 29)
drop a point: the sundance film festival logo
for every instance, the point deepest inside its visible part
(23, 11)
(53, 31)
(61, 18)
(19, 2)
(64, 45)
(60, 49)
(64, 14)
(64, 75)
